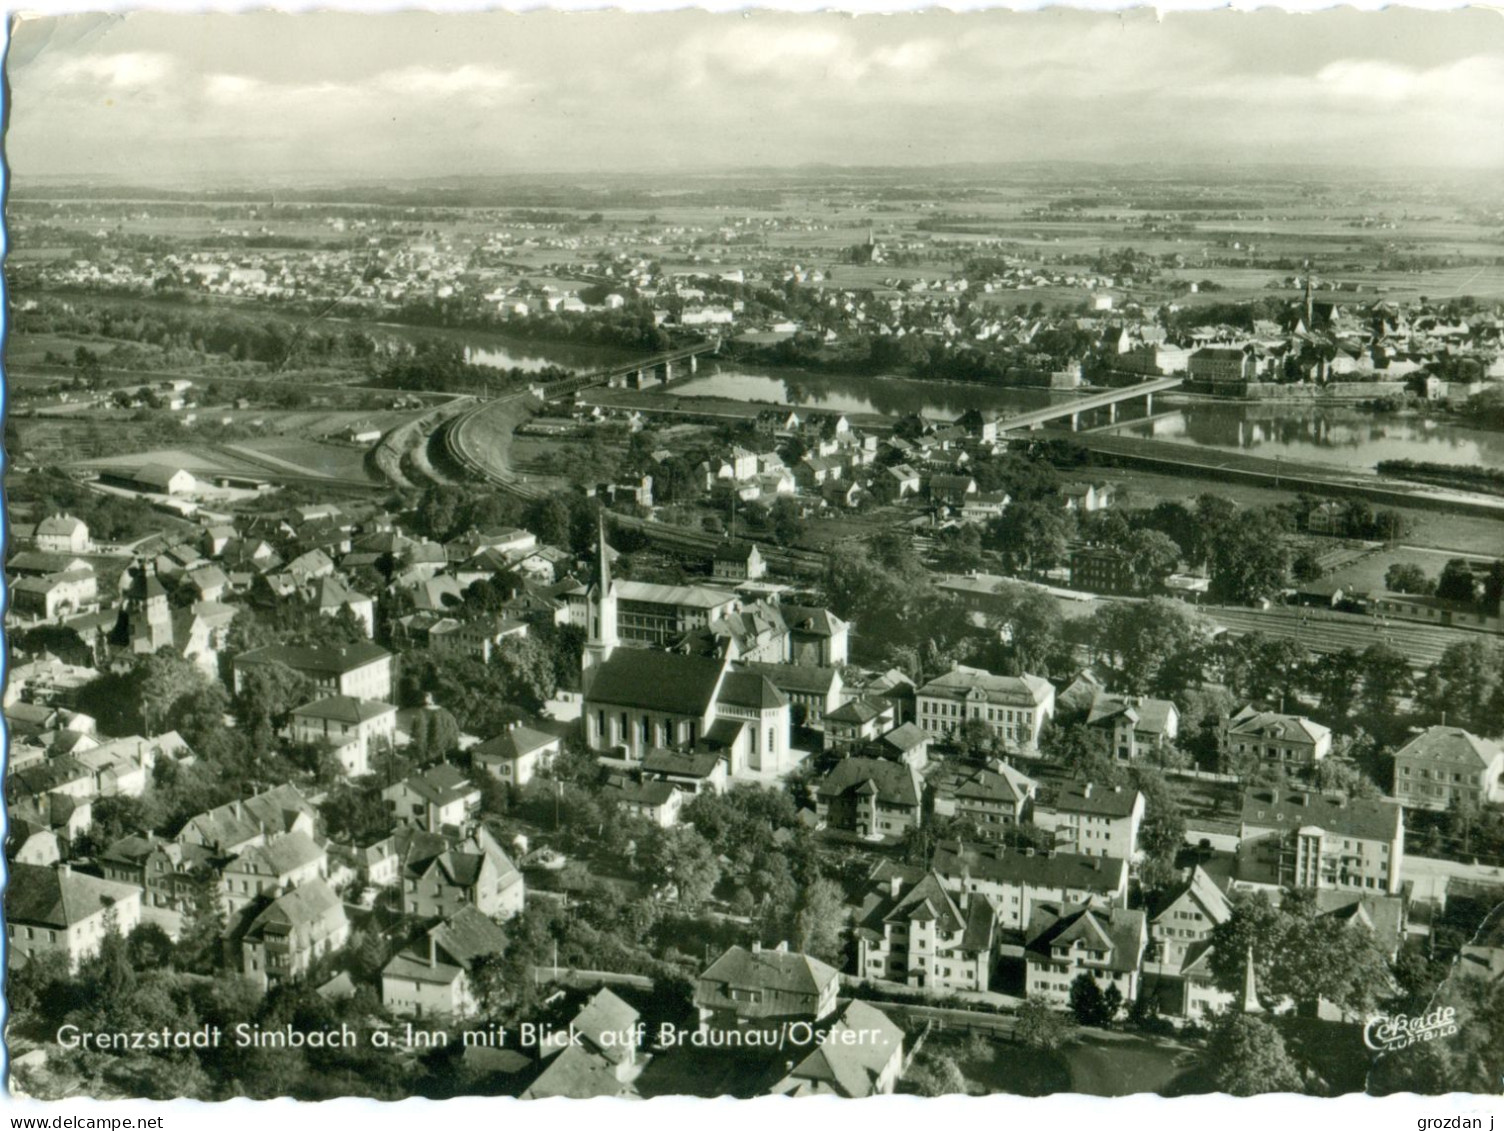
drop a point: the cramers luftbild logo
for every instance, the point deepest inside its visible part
(1384, 1033)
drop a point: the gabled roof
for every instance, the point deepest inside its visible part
(344, 709)
(1148, 716)
(904, 738)
(602, 1014)
(1114, 930)
(59, 897)
(996, 863)
(1094, 798)
(1290, 810)
(858, 711)
(776, 971)
(516, 743)
(674, 763)
(281, 855)
(846, 1069)
(962, 681)
(752, 690)
(1451, 746)
(324, 661)
(467, 935)
(656, 681)
(894, 782)
(1272, 724)
(1201, 888)
(440, 785)
(798, 678)
(305, 905)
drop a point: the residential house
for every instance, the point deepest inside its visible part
(55, 910)
(169, 875)
(441, 873)
(1087, 498)
(738, 561)
(353, 729)
(280, 864)
(1305, 839)
(908, 744)
(1016, 880)
(761, 989)
(1065, 941)
(1102, 569)
(656, 801)
(1092, 819)
(1443, 765)
(517, 754)
(993, 798)
(362, 671)
(691, 772)
(1179, 955)
(63, 534)
(871, 797)
(857, 722)
(233, 827)
(437, 798)
(277, 939)
(600, 1057)
(912, 929)
(1291, 741)
(1137, 726)
(431, 979)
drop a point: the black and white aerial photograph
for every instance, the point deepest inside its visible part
(626, 554)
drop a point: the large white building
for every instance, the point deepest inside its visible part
(1014, 707)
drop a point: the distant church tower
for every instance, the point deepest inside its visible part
(145, 621)
(601, 637)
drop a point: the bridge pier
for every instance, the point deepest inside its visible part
(1148, 404)
(1075, 421)
(642, 377)
(668, 372)
(694, 363)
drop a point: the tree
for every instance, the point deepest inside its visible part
(1456, 582)
(1039, 1026)
(1087, 1002)
(1405, 577)
(821, 919)
(1247, 1057)
(1249, 559)
(1150, 647)
(1465, 687)
(268, 693)
(200, 940)
(435, 734)
(526, 664)
(784, 520)
(1306, 565)
(1112, 1002)
(681, 857)
(1152, 557)
(1386, 677)
(1031, 535)
(1336, 680)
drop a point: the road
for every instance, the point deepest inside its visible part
(1431, 875)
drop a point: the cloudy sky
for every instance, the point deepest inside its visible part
(156, 97)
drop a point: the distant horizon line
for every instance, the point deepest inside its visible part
(309, 180)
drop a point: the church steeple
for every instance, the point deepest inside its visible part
(601, 633)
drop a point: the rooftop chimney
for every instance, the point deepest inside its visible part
(1087, 791)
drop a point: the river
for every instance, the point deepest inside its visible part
(1339, 437)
